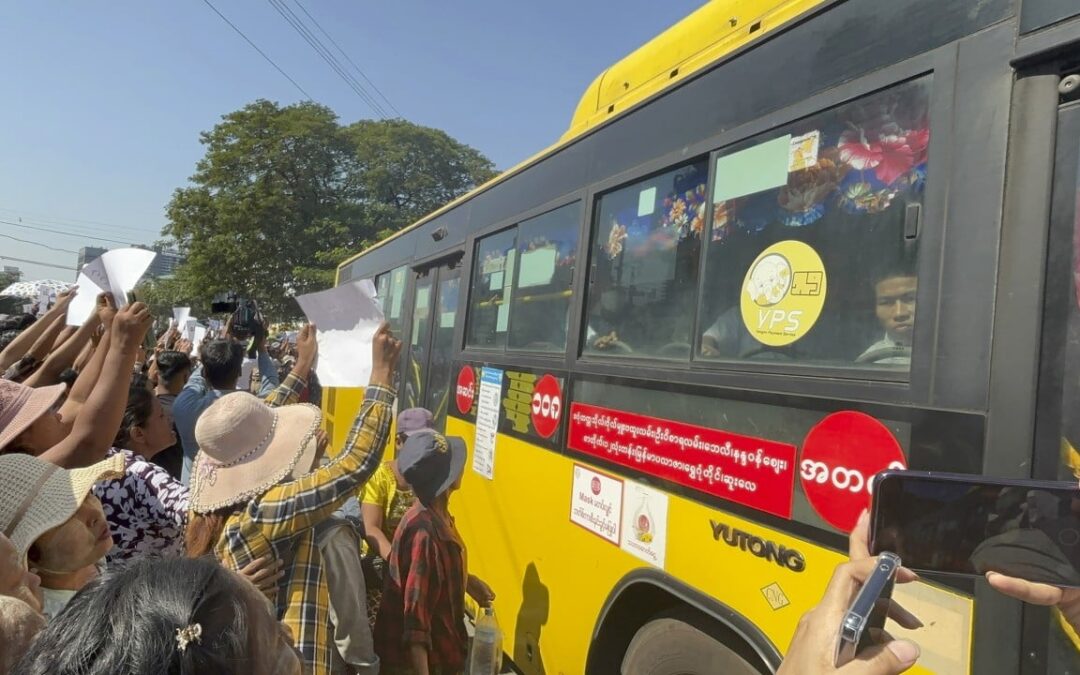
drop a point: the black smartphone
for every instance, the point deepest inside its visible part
(970, 525)
(868, 610)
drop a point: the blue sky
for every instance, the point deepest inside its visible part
(103, 101)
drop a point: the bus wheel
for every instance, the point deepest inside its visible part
(672, 646)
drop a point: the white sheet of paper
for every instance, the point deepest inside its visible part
(346, 318)
(84, 302)
(180, 315)
(190, 326)
(200, 335)
(538, 267)
(116, 271)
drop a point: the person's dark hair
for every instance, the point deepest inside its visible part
(127, 622)
(140, 380)
(222, 361)
(170, 364)
(139, 405)
(7, 336)
(68, 377)
(17, 322)
(903, 267)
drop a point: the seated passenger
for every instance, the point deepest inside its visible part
(894, 304)
(728, 337)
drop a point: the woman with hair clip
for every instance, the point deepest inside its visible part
(167, 617)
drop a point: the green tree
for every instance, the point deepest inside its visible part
(283, 194)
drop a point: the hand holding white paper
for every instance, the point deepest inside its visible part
(346, 318)
(200, 335)
(116, 272)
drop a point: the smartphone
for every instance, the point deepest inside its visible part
(969, 525)
(868, 610)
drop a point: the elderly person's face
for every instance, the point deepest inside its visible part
(15, 580)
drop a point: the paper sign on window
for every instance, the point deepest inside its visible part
(537, 267)
(756, 169)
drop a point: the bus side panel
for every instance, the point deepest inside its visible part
(552, 577)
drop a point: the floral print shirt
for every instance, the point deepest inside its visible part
(146, 509)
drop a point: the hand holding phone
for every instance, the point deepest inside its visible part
(813, 648)
(868, 610)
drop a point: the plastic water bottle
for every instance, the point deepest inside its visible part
(486, 655)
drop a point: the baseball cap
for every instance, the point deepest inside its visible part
(431, 463)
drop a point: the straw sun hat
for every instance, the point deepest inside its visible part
(246, 447)
(37, 496)
(21, 406)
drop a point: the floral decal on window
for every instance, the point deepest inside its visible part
(615, 239)
(872, 152)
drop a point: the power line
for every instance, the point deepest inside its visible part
(38, 262)
(351, 62)
(70, 234)
(60, 220)
(256, 48)
(93, 230)
(313, 41)
(38, 243)
(324, 53)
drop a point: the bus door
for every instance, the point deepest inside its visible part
(426, 380)
(1057, 447)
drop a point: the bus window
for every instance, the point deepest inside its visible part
(641, 299)
(489, 301)
(442, 348)
(547, 250)
(418, 341)
(390, 288)
(807, 258)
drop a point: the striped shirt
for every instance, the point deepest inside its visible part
(281, 523)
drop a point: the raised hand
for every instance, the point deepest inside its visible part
(307, 347)
(385, 350)
(130, 325)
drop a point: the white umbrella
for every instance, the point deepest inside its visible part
(29, 289)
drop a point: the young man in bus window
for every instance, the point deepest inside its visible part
(894, 305)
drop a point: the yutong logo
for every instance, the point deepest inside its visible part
(769, 550)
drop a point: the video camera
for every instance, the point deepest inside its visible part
(246, 319)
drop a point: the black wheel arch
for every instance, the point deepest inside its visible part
(647, 593)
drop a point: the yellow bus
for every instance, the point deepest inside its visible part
(783, 246)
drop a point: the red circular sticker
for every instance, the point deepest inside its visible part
(546, 406)
(466, 389)
(840, 457)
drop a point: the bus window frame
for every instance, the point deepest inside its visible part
(913, 386)
(466, 351)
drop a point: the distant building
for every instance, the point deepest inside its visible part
(13, 273)
(165, 263)
(88, 254)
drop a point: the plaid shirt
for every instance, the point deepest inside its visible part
(281, 523)
(424, 597)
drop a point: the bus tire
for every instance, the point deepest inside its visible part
(672, 646)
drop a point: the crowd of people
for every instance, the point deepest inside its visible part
(163, 511)
(168, 513)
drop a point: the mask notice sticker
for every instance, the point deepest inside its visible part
(783, 293)
(596, 503)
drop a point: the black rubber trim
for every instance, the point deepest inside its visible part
(742, 626)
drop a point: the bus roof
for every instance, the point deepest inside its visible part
(706, 35)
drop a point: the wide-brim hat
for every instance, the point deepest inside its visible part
(431, 463)
(21, 406)
(36, 496)
(246, 447)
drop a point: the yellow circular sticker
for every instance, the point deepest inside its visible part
(783, 293)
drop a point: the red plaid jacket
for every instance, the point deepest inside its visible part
(424, 596)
